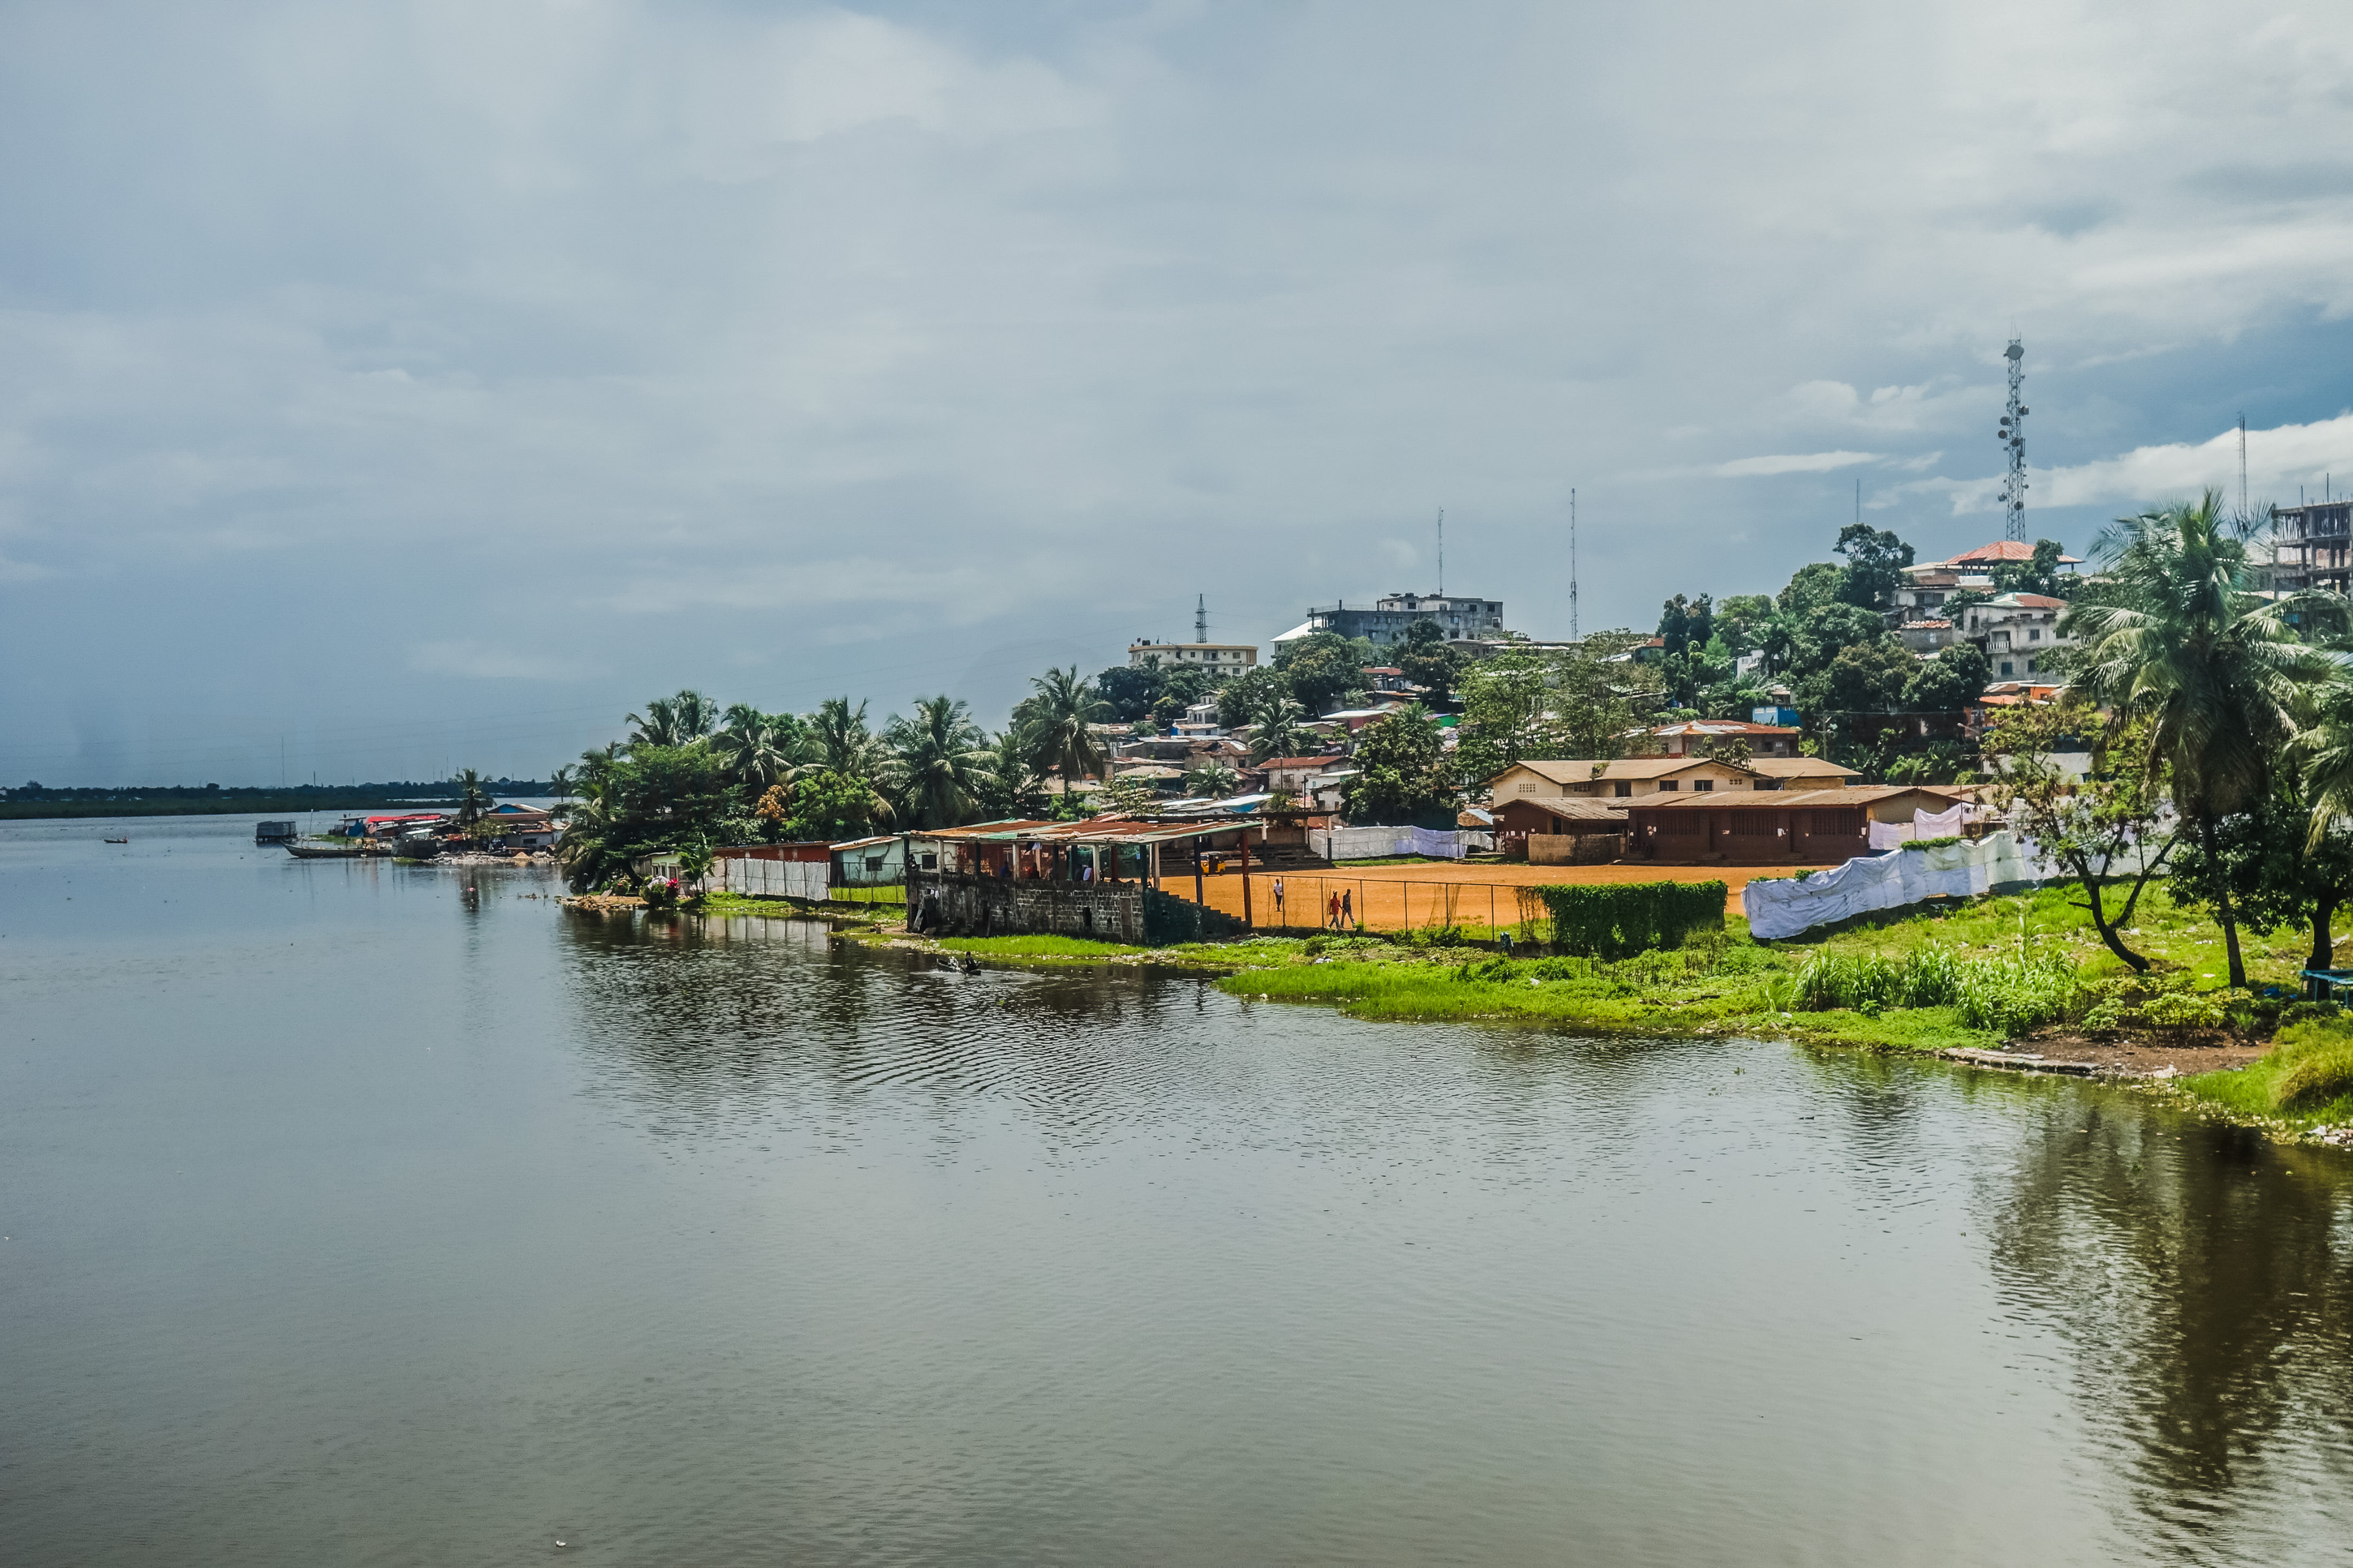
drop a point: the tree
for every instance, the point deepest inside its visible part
(1875, 559)
(753, 747)
(473, 798)
(1402, 774)
(937, 759)
(1685, 623)
(676, 720)
(1012, 787)
(559, 785)
(657, 798)
(1804, 644)
(1864, 677)
(2267, 865)
(1580, 703)
(1211, 779)
(2039, 575)
(1742, 619)
(1949, 682)
(1321, 667)
(1811, 586)
(1244, 698)
(829, 808)
(1427, 660)
(838, 741)
(1056, 719)
(2217, 668)
(1130, 690)
(1282, 731)
(2096, 826)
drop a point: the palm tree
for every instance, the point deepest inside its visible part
(472, 796)
(678, 721)
(559, 785)
(2219, 670)
(938, 763)
(1055, 720)
(1211, 780)
(750, 745)
(1282, 731)
(839, 742)
(1012, 787)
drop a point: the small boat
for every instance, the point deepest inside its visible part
(311, 852)
(118, 841)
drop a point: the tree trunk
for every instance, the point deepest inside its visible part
(2222, 911)
(2094, 901)
(2323, 949)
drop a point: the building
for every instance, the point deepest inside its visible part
(1389, 620)
(1693, 737)
(2312, 546)
(1220, 659)
(1633, 778)
(1926, 636)
(2018, 632)
(1928, 584)
(1802, 827)
(1568, 831)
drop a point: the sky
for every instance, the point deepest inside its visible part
(394, 388)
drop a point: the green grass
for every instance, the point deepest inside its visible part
(1038, 947)
(2304, 1080)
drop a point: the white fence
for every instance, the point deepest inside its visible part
(809, 879)
(1376, 842)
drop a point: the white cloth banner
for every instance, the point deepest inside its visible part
(1374, 843)
(806, 879)
(1924, 825)
(1889, 881)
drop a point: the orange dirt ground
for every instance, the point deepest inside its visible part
(1402, 898)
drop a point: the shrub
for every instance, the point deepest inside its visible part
(2317, 1058)
(1932, 843)
(1615, 921)
(2008, 994)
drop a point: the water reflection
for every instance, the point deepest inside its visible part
(2200, 1275)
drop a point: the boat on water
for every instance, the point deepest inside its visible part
(313, 852)
(118, 841)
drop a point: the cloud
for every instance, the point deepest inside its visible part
(1801, 463)
(2280, 461)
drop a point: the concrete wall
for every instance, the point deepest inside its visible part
(992, 906)
(1574, 848)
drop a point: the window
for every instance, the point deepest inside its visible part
(1844, 822)
(1698, 784)
(2034, 636)
(1683, 824)
(1753, 825)
(1624, 789)
(2005, 667)
(1667, 787)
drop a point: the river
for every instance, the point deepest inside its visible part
(379, 1214)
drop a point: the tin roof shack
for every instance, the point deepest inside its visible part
(1785, 827)
(877, 862)
(1098, 879)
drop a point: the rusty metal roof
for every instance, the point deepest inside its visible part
(1110, 828)
(1785, 800)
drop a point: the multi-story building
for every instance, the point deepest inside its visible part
(1389, 620)
(2018, 632)
(1927, 586)
(2312, 546)
(1217, 657)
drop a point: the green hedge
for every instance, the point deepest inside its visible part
(1615, 920)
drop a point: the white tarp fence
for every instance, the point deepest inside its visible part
(1924, 825)
(1889, 881)
(809, 879)
(1374, 843)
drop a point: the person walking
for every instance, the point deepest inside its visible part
(1348, 909)
(1332, 911)
(1277, 901)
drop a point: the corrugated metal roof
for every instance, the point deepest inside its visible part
(1785, 800)
(1107, 829)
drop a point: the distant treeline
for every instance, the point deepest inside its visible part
(33, 799)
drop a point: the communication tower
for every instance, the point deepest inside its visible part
(2013, 435)
(1201, 618)
(1573, 633)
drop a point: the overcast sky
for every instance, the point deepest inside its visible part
(423, 386)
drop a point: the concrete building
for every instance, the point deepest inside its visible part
(2018, 632)
(1928, 584)
(1388, 620)
(1220, 659)
(2312, 546)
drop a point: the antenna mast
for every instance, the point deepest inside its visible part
(1573, 633)
(1201, 618)
(2012, 435)
(1442, 553)
(2242, 468)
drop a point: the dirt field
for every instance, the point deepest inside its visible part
(1439, 892)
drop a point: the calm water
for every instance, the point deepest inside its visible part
(353, 1217)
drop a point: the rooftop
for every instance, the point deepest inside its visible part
(1787, 800)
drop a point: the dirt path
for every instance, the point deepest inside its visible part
(1438, 892)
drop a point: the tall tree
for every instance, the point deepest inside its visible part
(1056, 719)
(473, 796)
(838, 741)
(2217, 668)
(752, 746)
(1401, 772)
(1427, 660)
(939, 759)
(678, 721)
(1323, 667)
(1012, 786)
(1875, 559)
(1684, 624)
(1281, 731)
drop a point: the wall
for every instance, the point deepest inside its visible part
(1574, 848)
(993, 906)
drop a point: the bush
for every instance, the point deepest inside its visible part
(2317, 1063)
(2007, 994)
(1932, 843)
(1615, 921)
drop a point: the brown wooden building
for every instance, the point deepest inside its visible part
(1803, 827)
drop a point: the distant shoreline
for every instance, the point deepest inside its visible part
(228, 806)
